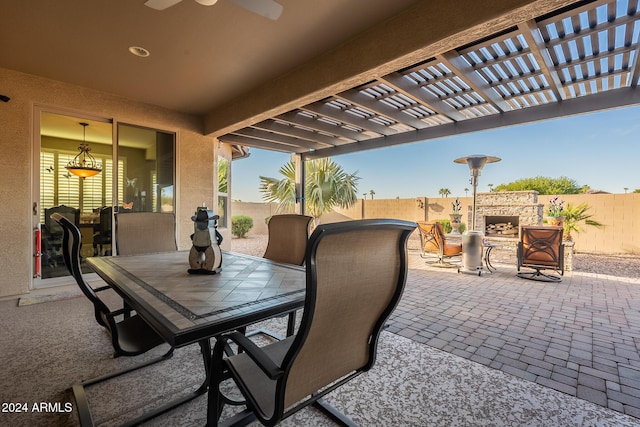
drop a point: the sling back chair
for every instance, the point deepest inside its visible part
(541, 248)
(288, 235)
(433, 241)
(145, 232)
(130, 336)
(356, 272)
(52, 234)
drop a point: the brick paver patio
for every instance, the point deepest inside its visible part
(580, 336)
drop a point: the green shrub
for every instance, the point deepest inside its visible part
(446, 226)
(240, 225)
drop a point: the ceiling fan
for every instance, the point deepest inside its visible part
(267, 8)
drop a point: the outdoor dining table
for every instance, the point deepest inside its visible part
(192, 308)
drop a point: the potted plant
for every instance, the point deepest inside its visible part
(555, 215)
(455, 217)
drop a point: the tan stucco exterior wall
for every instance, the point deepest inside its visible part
(195, 156)
(619, 213)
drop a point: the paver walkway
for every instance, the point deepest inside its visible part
(580, 336)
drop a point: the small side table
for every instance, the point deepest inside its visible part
(488, 247)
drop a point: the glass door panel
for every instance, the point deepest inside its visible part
(147, 157)
(79, 199)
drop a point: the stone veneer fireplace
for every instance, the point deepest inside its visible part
(521, 207)
(515, 208)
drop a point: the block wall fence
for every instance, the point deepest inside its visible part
(619, 213)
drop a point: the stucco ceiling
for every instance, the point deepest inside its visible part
(337, 76)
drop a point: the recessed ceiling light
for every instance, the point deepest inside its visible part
(139, 51)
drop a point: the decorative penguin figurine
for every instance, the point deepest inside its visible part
(205, 256)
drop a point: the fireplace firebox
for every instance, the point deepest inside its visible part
(501, 226)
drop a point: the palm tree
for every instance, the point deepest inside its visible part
(327, 186)
(466, 192)
(372, 193)
(573, 216)
(444, 192)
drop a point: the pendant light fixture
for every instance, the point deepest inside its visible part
(84, 164)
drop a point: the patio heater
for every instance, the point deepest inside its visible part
(472, 238)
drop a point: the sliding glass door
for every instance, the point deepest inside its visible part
(140, 180)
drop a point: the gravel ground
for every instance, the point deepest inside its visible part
(621, 265)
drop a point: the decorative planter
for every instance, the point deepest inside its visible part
(557, 221)
(455, 223)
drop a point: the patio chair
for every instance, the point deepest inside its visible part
(52, 233)
(130, 336)
(288, 235)
(145, 232)
(434, 242)
(540, 248)
(356, 272)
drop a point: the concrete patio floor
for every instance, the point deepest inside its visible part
(580, 336)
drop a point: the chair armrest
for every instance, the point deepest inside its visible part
(261, 359)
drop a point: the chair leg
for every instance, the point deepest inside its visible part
(333, 413)
(539, 276)
(441, 263)
(153, 361)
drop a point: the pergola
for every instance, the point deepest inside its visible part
(581, 58)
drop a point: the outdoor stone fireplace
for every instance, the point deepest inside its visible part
(516, 207)
(500, 214)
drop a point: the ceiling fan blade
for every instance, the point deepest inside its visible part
(267, 8)
(161, 4)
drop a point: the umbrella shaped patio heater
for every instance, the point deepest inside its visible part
(472, 238)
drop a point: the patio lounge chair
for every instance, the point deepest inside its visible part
(433, 241)
(356, 272)
(540, 248)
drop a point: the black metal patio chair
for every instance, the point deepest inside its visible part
(356, 272)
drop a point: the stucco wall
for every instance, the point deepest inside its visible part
(619, 213)
(194, 153)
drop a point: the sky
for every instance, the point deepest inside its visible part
(601, 150)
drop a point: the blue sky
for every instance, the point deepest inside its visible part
(600, 149)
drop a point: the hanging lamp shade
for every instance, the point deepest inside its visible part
(84, 164)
